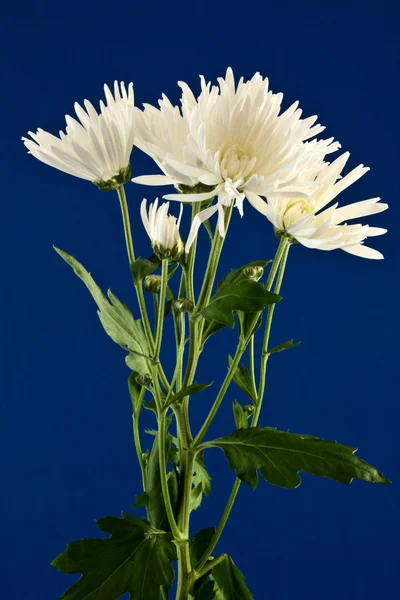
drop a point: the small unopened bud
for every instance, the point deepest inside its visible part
(254, 273)
(144, 380)
(248, 409)
(145, 456)
(184, 305)
(152, 283)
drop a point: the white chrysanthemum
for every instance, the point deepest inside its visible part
(162, 229)
(315, 225)
(99, 147)
(233, 140)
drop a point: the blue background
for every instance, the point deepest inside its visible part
(67, 449)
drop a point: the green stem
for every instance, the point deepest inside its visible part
(279, 262)
(264, 353)
(220, 396)
(127, 224)
(186, 466)
(138, 284)
(163, 472)
(209, 566)
(251, 362)
(136, 437)
(220, 527)
(164, 593)
(160, 313)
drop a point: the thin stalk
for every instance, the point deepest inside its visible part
(138, 285)
(220, 528)
(163, 467)
(279, 262)
(252, 369)
(220, 396)
(164, 593)
(264, 352)
(160, 314)
(186, 467)
(210, 565)
(136, 437)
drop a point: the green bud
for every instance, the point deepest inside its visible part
(115, 182)
(145, 456)
(254, 273)
(248, 409)
(152, 283)
(144, 380)
(184, 305)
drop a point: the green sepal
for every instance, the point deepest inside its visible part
(283, 346)
(188, 390)
(117, 565)
(116, 319)
(122, 177)
(142, 267)
(280, 456)
(244, 381)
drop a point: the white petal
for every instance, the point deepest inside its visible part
(257, 202)
(197, 221)
(359, 209)
(154, 180)
(363, 251)
(192, 197)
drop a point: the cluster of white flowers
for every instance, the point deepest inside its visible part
(231, 143)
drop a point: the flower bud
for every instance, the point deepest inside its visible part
(152, 283)
(144, 380)
(184, 305)
(163, 230)
(254, 273)
(248, 409)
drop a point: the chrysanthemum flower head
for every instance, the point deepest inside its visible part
(233, 143)
(98, 147)
(162, 229)
(315, 224)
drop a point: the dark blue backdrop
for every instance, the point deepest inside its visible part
(67, 449)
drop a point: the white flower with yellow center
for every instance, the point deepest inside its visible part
(231, 142)
(98, 147)
(314, 224)
(162, 229)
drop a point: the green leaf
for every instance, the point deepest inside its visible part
(205, 590)
(246, 323)
(135, 392)
(243, 380)
(229, 582)
(141, 500)
(240, 415)
(199, 544)
(155, 504)
(135, 560)
(284, 346)
(243, 295)
(280, 456)
(188, 390)
(172, 270)
(210, 329)
(237, 274)
(142, 267)
(201, 482)
(116, 319)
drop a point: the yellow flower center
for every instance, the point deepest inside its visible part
(296, 209)
(235, 163)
